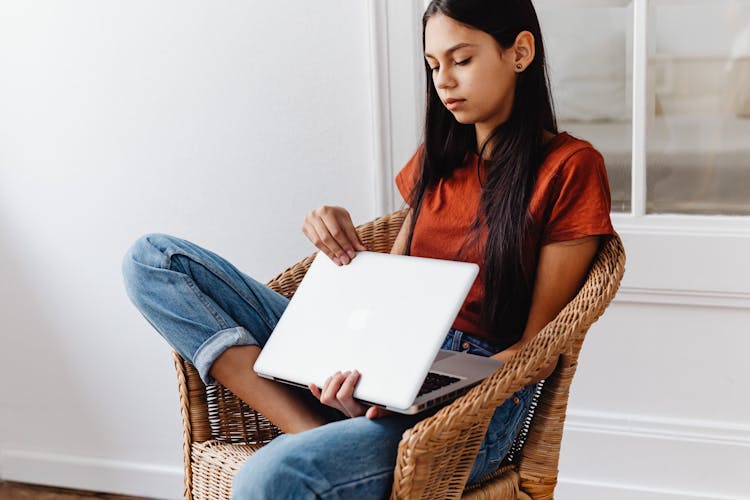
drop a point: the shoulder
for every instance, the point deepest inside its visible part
(571, 153)
(572, 159)
(406, 178)
(572, 198)
(573, 173)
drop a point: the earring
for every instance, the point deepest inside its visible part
(519, 66)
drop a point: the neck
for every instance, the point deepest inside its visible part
(483, 132)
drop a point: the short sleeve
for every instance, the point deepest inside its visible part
(581, 201)
(408, 176)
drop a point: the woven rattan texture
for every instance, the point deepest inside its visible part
(435, 456)
(503, 483)
(214, 466)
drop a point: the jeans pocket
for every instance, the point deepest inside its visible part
(488, 458)
(470, 347)
(506, 423)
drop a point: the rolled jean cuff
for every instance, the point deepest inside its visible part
(216, 345)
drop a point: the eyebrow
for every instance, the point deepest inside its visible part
(453, 49)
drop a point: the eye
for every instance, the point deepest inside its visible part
(462, 63)
(435, 68)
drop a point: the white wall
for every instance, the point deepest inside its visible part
(225, 124)
(221, 122)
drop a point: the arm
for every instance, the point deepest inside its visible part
(560, 273)
(399, 245)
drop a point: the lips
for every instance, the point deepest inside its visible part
(452, 104)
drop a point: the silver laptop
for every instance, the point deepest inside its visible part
(384, 315)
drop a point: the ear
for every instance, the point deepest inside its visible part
(523, 51)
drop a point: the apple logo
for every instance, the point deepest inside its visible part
(358, 318)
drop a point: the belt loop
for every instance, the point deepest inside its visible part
(449, 338)
(457, 340)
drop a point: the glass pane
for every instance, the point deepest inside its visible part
(698, 146)
(589, 54)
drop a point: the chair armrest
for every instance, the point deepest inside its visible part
(436, 455)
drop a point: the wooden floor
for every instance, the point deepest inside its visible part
(20, 491)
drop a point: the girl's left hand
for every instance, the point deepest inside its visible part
(338, 391)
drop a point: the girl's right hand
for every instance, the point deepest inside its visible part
(331, 230)
(338, 392)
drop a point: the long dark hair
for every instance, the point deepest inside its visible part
(511, 168)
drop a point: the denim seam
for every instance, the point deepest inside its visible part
(222, 276)
(476, 346)
(223, 325)
(482, 453)
(481, 344)
(333, 490)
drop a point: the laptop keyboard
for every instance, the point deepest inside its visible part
(435, 381)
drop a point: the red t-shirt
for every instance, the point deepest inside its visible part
(571, 199)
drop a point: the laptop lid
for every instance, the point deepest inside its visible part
(384, 315)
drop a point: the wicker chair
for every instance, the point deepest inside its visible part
(435, 456)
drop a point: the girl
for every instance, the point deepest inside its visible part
(493, 183)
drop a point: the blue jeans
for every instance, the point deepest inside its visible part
(202, 305)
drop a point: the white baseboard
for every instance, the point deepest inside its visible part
(687, 298)
(711, 431)
(96, 474)
(579, 489)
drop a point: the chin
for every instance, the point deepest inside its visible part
(463, 119)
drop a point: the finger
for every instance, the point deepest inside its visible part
(315, 390)
(376, 412)
(309, 230)
(339, 235)
(357, 245)
(351, 234)
(331, 387)
(320, 390)
(345, 395)
(326, 384)
(326, 243)
(347, 386)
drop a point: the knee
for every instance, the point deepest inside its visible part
(146, 253)
(254, 481)
(149, 250)
(275, 472)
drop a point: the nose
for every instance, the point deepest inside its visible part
(443, 79)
